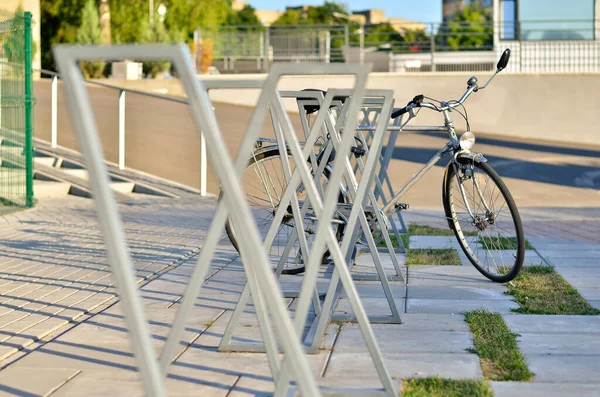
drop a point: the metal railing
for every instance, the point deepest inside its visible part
(407, 46)
(16, 112)
(121, 123)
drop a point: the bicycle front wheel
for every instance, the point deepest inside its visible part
(485, 219)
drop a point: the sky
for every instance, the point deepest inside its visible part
(417, 10)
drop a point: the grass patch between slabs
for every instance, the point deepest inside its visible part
(496, 347)
(430, 256)
(438, 387)
(540, 290)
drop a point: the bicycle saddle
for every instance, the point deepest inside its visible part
(313, 108)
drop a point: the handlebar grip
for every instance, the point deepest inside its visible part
(400, 112)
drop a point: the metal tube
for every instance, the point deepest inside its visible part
(121, 129)
(54, 112)
(390, 208)
(202, 165)
(362, 44)
(29, 99)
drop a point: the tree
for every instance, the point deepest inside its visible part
(60, 21)
(187, 15)
(158, 33)
(290, 17)
(14, 42)
(104, 11)
(90, 33)
(127, 20)
(470, 29)
(244, 17)
(313, 15)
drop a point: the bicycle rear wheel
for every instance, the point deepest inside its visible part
(485, 219)
(263, 183)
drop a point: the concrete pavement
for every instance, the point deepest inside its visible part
(64, 334)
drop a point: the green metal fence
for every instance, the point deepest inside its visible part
(16, 112)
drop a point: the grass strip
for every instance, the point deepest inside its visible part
(429, 256)
(438, 387)
(540, 290)
(503, 243)
(496, 347)
(405, 240)
(422, 230)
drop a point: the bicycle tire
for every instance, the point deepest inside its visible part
(505, 246)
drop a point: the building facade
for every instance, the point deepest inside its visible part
(549, 35)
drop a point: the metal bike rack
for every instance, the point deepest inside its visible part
(372, 98)
(324, 207)
(261, 281)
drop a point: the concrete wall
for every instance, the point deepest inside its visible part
(559, 108)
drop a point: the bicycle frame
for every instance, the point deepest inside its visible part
(452, 146)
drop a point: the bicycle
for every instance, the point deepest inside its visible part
(492, 240)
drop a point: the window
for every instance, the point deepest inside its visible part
(509, 16)
(554, 19)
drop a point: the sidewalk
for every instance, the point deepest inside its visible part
(64, 334)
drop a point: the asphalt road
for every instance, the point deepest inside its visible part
(161, 140)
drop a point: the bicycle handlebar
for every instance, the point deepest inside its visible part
(417, 101)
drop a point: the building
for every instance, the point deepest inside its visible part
(549, 36)
(451, 7)
(377, 17)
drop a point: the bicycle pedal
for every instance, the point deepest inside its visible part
(358, 151)
(402, 206)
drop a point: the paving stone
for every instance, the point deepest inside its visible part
(564, 369)
(589, 293)
(431, 322)
(562, 253)
(573, 262)
(449, 306)
(547, 324)
(444, 275)
(374, 289)
(102, 383)
(527, 389)
(575, 344)
(371, 305)
(456, 292)
(393, 339)
(29, 381)
(406, 365)
(435, 242)
(589, 276)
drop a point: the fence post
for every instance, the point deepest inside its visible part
(54, 111)
(196, 49)
(346, 43)
(362, 44)
(267, 47)
(121, 129)
(28, 113)
(432, 40)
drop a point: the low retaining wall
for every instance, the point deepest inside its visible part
(559, 107)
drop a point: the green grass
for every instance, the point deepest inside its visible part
(422, 230)
(404, 237)
(432, 257)
(504, 243)
(496, 347)
(437, 387)
(540, 290)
